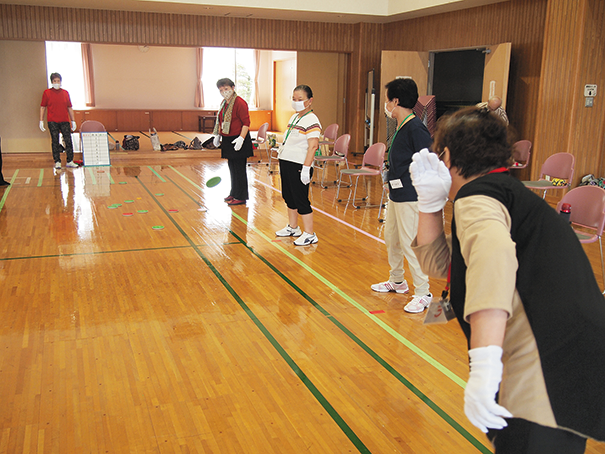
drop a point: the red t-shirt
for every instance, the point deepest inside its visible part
(239, 117)
(56, 103)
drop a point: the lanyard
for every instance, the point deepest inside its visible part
(405, 120)
(498, 170)
(292, 126)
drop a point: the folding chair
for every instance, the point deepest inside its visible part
(261, 139)
(521, 153)
(556, 173)
(587, 215)
(372, 165)
(341, 151)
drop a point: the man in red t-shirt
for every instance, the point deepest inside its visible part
(60, 113)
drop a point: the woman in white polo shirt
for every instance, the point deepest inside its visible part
(297, 152)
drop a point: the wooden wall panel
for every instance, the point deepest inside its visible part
(520, 22)
(167, 120)
(564, 124)
(134, 120)
(128, 27)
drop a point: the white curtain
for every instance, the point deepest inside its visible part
(199, 88)
(256, 72)
(89, 81)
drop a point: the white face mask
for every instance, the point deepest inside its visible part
(298, 106)
(387, 112)
(227, 94)
(56, 86)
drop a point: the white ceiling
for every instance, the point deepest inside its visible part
(343, 11)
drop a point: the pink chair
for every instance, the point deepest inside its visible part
(372, 165)
(261, 139)
(92, 126)
(340, 154)
(556, 173)
(587, 213)
(329, 136)
(521, 153)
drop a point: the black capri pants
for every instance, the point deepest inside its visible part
(294, 192)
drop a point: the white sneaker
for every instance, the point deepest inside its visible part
(306, 239)
(57, 165)
(71, 164)
(389, 286)
(289, 231)
(418, 304)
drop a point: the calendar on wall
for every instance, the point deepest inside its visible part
(95, 149)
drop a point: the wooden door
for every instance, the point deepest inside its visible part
(284, 73)
(399, 64)
(325, 73)
(495, 73)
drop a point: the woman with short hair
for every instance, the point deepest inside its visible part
(296, 155)
(535, 326)
(232, 134)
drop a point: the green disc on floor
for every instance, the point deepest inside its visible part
(142, 211)
(160, 194)
(157, 227)
(128, 201)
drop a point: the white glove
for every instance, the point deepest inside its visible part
(216, 140)
(42, 128)
(237, 143)
(305, 174)
(73, 126)
(480, 405)
(432, 181)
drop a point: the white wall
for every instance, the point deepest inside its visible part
(161, 78)
(23, 75)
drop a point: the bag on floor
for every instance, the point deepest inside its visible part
(196, 144)
(130, 142)
(209, 144)
(155, 140)
(180, 144)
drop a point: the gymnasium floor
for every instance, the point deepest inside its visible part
(209, 335)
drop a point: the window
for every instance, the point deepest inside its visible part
(236, 64)
(66, 59)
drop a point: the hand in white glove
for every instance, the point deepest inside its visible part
(73, 126)
(237, 143)
(305, 174)
(42, 128)
(432, 181)
(216, 140)
(480, 405)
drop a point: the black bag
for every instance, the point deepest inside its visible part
(130, 142)
(196, 144)
(209, 144)
(169, 146)
(180, 144)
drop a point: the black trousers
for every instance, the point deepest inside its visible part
(524, 437)
(294, 192)
(3, 182)
(239, 178)
(65, 129)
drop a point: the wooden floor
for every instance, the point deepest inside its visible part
(210, 335)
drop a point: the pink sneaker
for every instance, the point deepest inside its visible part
(389, 286)
(418, 304)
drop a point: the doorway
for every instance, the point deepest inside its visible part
(456, 78)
